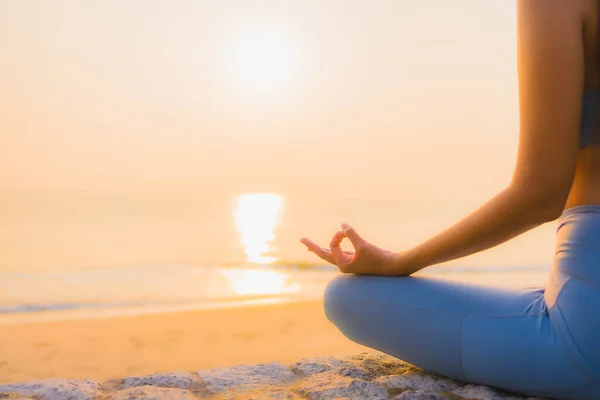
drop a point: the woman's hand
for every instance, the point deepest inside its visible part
(366, 258)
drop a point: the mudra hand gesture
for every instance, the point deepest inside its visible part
(366, 258)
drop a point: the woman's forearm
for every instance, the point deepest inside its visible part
(505, 216)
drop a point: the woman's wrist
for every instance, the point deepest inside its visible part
(406, 263)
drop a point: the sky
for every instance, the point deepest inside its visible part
(129, 129)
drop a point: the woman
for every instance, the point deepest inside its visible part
(543, 342)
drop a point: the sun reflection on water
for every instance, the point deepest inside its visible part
(256, 216)
(248, 282)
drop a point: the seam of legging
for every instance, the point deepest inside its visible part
(460, 356)
(562, 341)
(589, 378)
(588, 381)
(579, 279)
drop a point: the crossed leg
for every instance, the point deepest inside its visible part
(485, 335)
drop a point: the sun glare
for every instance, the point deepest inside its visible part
(261, 60)
(256, 216)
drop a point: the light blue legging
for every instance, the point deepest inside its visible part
(541, 342)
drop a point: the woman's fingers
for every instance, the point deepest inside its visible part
(352, 235)
(343, 259)
(318, 250)
(326, 254)
(335, 246)
(350, 253)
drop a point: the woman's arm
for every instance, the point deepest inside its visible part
(551, 80)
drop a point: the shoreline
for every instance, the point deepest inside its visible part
(92, 308)
(94, 313)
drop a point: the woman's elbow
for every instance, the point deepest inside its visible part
(541, 204)
(551, 212)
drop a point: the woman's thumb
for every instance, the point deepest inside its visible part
(352, 235)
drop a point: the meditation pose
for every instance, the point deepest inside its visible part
(534, 341)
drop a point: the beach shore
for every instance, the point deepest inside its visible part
(108, 348)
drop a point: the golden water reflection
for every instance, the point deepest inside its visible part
(250, 282)
(256, 216)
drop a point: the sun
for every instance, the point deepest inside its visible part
(261, 60)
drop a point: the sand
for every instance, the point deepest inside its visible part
(103, 349)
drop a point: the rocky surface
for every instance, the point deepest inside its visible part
(364, 376)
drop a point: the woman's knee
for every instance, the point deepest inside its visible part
(349, 297)
(336, 297)
(359, 306)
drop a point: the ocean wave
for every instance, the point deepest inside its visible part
(193, 303)
(28, 308)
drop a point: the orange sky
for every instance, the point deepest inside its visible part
(128, 127)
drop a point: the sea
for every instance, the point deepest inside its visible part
(99, 293)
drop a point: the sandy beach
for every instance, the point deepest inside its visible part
(114, 347)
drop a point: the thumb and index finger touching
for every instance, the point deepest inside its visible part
(340, 256)
(335, 255)
(352, 235)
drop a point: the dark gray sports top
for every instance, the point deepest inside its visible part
(590, 123)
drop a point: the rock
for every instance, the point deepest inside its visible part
(355, 372)
(180, 380)
(306, 367)
(364, 366)
(418, 380)
(151, 393)
(334, 386)
(55, 389)
(14, 396)
(363, 376)
(313, 366)
(221, 379)
(380, 364)
(258, 392)
(475, 392)
(419, 395)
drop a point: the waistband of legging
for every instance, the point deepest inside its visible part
(581, 209)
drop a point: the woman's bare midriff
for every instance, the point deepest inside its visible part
(586, 185)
